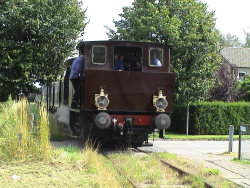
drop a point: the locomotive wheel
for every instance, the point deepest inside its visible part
(137, 141)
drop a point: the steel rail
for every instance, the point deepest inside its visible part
(121, 172)
(179, 170)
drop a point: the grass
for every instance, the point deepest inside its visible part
(194, 181)
(211, 171)
(201, 173)
(145, 170)
(242, 161)
(18, 139)
(178, 136)
(26, 153)
(67, 167)
(58, 131)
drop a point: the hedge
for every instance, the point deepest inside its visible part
(210, 118)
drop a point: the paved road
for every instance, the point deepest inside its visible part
(199, 147)
(210, 154)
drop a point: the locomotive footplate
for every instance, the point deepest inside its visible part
(131, 124)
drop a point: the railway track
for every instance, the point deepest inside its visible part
(181, 172)
(131, 182)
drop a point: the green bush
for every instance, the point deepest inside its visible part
(245, 88)
(211, 118)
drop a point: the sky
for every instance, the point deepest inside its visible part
(231, 16)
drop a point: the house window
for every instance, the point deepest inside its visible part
(241, 76)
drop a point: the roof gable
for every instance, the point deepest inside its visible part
(237, 56)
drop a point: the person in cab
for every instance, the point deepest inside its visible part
(118, 64)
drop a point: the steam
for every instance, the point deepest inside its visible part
(62, 116)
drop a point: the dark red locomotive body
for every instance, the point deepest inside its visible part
(121, 106)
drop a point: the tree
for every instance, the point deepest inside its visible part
(244, 87)
(185, 24)
(35, 37)
(230, 40)
(247, 38)
(226, 85)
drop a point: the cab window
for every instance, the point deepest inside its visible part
(99, 54)
(130, 57)
(155, 57)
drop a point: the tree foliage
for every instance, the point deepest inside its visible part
(247, 38)
(185, 24)
(244, 87)
(230, 40)
(226, 85)
(35, 38)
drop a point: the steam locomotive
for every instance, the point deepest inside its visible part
(118, 106)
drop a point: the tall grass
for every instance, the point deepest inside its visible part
(44, 133)
(18, 140)
(96, 165)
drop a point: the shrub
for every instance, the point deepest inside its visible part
(211, 118)
(245, 88)
(18, 140)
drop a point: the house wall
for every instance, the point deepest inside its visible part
(239, 70)
(246, 70)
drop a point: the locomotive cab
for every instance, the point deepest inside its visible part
(126, 105)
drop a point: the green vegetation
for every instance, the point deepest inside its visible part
(210, 118)
(178, 136)
(210, 171)
(26, 154)
(246, 162)
(199, 173)
(18, 139)
(194, 181)
(36, 37)
(231, 40)
(145, 171)
(67, 167)
(166, 155)
(58, 131)
(189, 27)
(245, 86)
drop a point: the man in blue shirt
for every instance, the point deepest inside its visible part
(118, 64)
(154, 61)
(76, 69)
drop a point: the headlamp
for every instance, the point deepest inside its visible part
(101, 100)
(160, 102)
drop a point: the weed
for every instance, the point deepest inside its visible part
(166, 155)
(211, 171)
(194, 181)
(245, 162)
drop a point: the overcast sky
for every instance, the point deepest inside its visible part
(232, 16)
